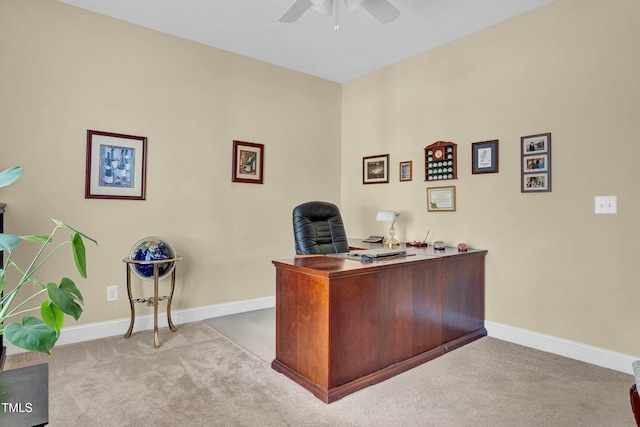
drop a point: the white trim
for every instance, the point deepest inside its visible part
(92, 331)
(571, 349)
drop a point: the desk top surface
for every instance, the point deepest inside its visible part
(341, 263)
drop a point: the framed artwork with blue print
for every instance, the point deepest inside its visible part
(485, 157)
(116, 166)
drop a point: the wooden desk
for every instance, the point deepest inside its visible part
(344, 324)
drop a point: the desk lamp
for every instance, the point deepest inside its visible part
(389, 216)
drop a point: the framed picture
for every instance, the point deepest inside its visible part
(485, 157)
(535, 144)
(406, 171)
(536, 163)
(248, 162)
(116, 166)
(375, 169)
(441, 199)
(535, 182)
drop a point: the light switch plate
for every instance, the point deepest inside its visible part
(607, 205)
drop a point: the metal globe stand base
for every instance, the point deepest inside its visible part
(152, 301)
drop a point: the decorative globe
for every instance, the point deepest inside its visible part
(152, 249)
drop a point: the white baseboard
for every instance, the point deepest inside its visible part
(571, 349)
(92, 331)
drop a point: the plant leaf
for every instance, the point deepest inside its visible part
(52, 316)
(39, 239)
(9, 176)
(33, 335)
(79, 255)
(8, 241)
(63, 225)
(71, 289)
(65, 296)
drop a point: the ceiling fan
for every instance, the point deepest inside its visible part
(382, 10)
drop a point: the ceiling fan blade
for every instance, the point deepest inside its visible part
(325, 7)
(295, 11)
(382, 10)
(352, 4)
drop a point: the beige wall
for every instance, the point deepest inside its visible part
(64, 70)
(570, 68)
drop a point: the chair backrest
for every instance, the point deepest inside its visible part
(318, 229)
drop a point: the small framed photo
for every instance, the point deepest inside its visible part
(248, 162)
(485, 157)
(536, 163)
(536, 144)
(406, 171)
(375, 169)
(535, 182)
(116, 166)
(441, 199)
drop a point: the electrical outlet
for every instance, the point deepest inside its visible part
(606, 205)
(112, 293)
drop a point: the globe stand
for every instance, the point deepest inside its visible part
(152, 301)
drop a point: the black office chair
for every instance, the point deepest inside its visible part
(318, 229)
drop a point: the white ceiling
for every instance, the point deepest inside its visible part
(310, 45)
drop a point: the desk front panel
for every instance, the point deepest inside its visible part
(462, 295)
(302, 324)
(354, 344)
(409, 311)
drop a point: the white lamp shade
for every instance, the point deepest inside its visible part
(386, 216)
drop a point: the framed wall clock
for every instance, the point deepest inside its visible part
(440, 161)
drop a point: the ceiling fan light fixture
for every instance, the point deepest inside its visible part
(329, 7)
(351, 5)
(323, 6)
(382, 10)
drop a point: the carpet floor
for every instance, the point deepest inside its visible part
(254, 330)
(200, 377)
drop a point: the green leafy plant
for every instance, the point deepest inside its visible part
(33, 333)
